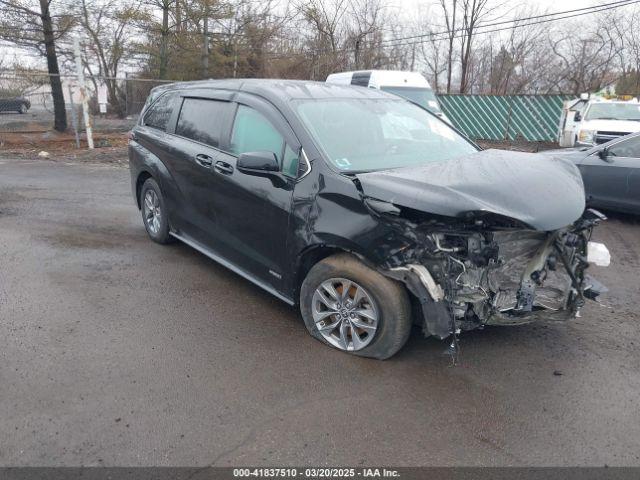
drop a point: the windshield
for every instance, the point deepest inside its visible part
(614, 111)
(422, 96)
(375, 134)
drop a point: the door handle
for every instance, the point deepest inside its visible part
(204, 160)
(223, 167)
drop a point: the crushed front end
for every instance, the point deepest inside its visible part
(485, 269)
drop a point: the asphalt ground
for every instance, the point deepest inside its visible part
(117, 351)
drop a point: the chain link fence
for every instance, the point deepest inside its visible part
(27, 110)
(27, 106)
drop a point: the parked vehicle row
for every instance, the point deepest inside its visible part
(14, 104)
(367, 211)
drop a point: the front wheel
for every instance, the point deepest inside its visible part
(354, 308)
(23, 108)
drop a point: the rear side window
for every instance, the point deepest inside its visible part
(159, 113)
(252, 132)
(202, 120)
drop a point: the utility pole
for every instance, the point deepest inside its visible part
(205, 41)
(235, 56)
(83, 93)
(74, 117)
(164, 38)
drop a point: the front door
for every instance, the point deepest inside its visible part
(253, 211)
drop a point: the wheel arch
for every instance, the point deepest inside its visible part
(313, 254)
(143, 176)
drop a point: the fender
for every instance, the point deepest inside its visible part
(142, 162)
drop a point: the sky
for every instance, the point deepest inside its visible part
(406, 8)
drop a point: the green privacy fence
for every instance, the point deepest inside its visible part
(500, 117)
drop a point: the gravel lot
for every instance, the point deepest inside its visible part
(118, 351)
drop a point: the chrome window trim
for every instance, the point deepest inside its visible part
(304, 157)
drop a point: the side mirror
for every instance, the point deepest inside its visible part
(262, 164)
(577, 117)
(258, 162)
(604, 155)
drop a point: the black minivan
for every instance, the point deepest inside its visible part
(367, 211)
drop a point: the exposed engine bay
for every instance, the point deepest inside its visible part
(489, 270)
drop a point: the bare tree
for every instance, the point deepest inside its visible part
(165, 8)
(450, 13)
(39, 30)
(432, 52)
(325, 22)
(473, 12)
(109, 27)
(586, 61)
(365, 31)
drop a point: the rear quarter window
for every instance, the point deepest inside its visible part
(159, 113)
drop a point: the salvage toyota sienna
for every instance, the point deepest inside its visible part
(365, 210)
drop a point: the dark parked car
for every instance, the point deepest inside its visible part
(15, 104)
(611, 172)
(362, 208)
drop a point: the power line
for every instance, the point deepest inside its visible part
(399, 42)
(518, 25)
(620, 3)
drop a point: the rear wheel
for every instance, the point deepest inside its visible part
(154, 212)
(354, 308)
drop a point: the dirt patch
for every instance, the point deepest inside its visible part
(96, 238)
(61, 147)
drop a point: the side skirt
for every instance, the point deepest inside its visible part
(213, 256)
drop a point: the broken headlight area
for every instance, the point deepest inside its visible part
(487, 270)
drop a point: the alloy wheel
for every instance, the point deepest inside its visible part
(152, 212)
(345, 314)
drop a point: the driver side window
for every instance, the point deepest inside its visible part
(252, 132)
(626, 148)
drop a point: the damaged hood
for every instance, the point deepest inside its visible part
(544, 192)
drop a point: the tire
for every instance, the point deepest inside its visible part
(23, 108)
(389, 302)
(154, 212)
